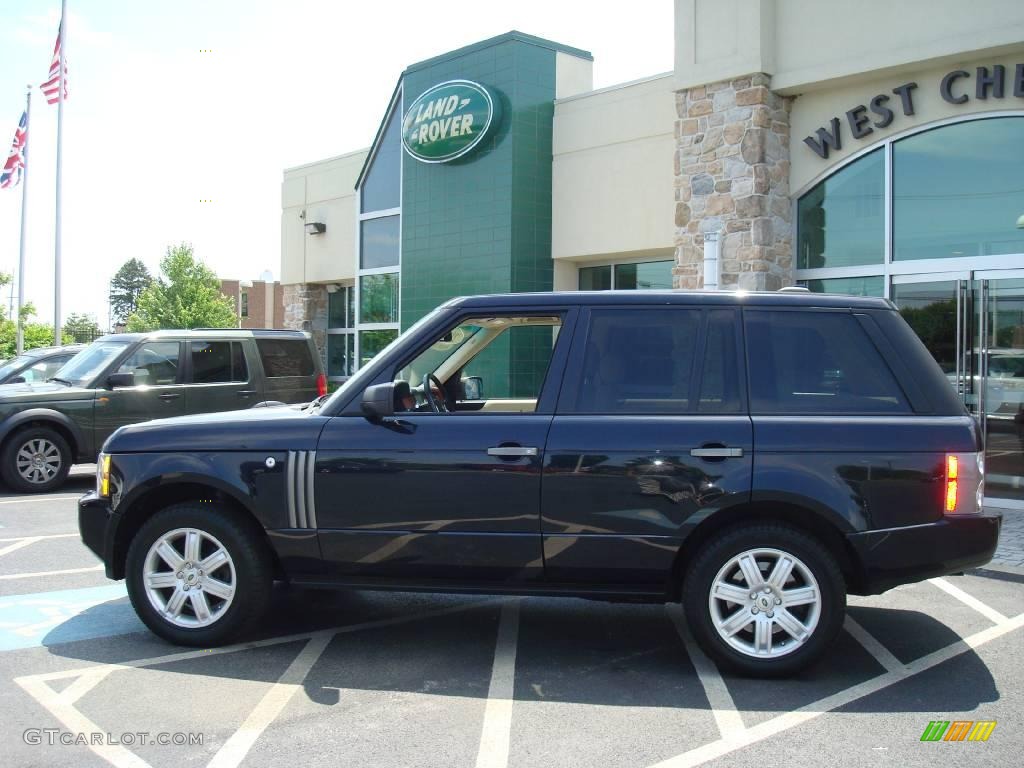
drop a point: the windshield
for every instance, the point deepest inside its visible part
(10, 366)
(90, 361)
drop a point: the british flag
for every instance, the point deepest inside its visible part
(15, 165)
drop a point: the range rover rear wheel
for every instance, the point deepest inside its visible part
(197, 575)
(35, 460)
(765, 600)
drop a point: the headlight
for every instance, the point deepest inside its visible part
(103, 475)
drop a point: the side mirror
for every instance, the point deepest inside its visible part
(379, 401)
(17, 380)
(472, 388)
(115, 380)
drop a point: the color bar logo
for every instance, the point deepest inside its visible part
(958, 730)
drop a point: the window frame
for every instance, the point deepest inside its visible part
(890, 268)
(573, 376)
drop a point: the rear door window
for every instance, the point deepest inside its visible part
(285, 357)
(811, 362)
(218, 362)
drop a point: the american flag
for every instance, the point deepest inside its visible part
(51, 88)
(15, 165)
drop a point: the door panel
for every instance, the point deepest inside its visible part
(421, 497)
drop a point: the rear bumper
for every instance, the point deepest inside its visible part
(897, 556)
(97, 525)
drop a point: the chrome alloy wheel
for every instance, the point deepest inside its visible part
(189, 578)
(765, 603)
(38, 461)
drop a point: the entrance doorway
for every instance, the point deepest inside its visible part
(973, 324)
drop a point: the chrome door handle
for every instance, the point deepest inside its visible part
(513, 451)
(717, 453)
(170, 396)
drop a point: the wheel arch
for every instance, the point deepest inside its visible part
(158, 496)
(45, 417)
(802, 517)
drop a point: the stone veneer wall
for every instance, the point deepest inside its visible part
(307, 302)
(732, 177)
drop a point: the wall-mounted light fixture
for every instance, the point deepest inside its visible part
(1020, 222)
(333, 287)
(315, 227)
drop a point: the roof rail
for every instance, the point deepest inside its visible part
(794, 289)
(264, 330)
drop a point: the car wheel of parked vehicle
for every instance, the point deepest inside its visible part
(765, 600)
(197, 575)
(35, 460)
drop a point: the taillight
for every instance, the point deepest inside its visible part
(321, 385)
(964, 488)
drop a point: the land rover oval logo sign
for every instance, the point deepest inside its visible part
(449, 121)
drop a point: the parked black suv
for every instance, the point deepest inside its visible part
(757, 456)
(119, 379)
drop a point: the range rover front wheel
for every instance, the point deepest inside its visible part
(764, 599)
(197, 575)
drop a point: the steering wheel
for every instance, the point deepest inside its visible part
(437, 406)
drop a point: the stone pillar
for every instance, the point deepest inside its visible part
(305, 309)
(732, 176)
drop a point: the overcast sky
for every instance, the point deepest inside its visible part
(153, 125)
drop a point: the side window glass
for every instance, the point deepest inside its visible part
(217, 362)
(154, 363)
(816, 362)
(639, 361)
(720, 376)
(487, 365)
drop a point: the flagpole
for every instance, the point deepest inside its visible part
(60, 164)
(24, 208)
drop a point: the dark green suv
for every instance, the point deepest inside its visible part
(127, 378)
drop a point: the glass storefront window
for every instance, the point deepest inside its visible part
(341, 348)
(340, 310)
(372, 342)
(841, 221)
(851, 286)
(380, 189)
(378, 300)
(957, 190)
(649, 275)
(379, 244)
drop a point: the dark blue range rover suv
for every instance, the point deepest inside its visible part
(756, 456)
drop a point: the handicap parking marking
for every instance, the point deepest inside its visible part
(49, 618)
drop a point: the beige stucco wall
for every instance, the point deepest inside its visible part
(815, 109)
(612, 175)
(807, 44)
(326, 192)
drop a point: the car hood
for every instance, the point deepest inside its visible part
(256, 429)
(43, 392)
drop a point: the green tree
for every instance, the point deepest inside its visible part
(126, 287)
(82, 328)
(186, 295)
(35, 334)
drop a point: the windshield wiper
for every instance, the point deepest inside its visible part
(62, 381)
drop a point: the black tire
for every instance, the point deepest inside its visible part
(28, 438)
(250, 557)
(701, 575)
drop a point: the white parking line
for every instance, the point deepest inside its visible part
(784, 722)
(23, 541)
(36, 574)
(871, 644)
(969, 600)
(497, 728)
(727, 716)
(272, 704)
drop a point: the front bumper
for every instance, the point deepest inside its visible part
(97, 525)
(897, 556)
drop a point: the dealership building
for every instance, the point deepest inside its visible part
(875, 149)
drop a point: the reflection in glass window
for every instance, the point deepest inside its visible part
(652, 275)
(380, 188)
(841, 221)
(371, 343)
(341, 354)
(378, 301)
(872, 285)
(958, 190)
(340, 313)
(596, 278)
(379, 242)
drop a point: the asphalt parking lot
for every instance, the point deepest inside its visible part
(372, 679)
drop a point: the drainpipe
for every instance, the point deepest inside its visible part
(711, 263)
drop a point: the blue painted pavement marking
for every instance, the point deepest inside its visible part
(64, 616)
